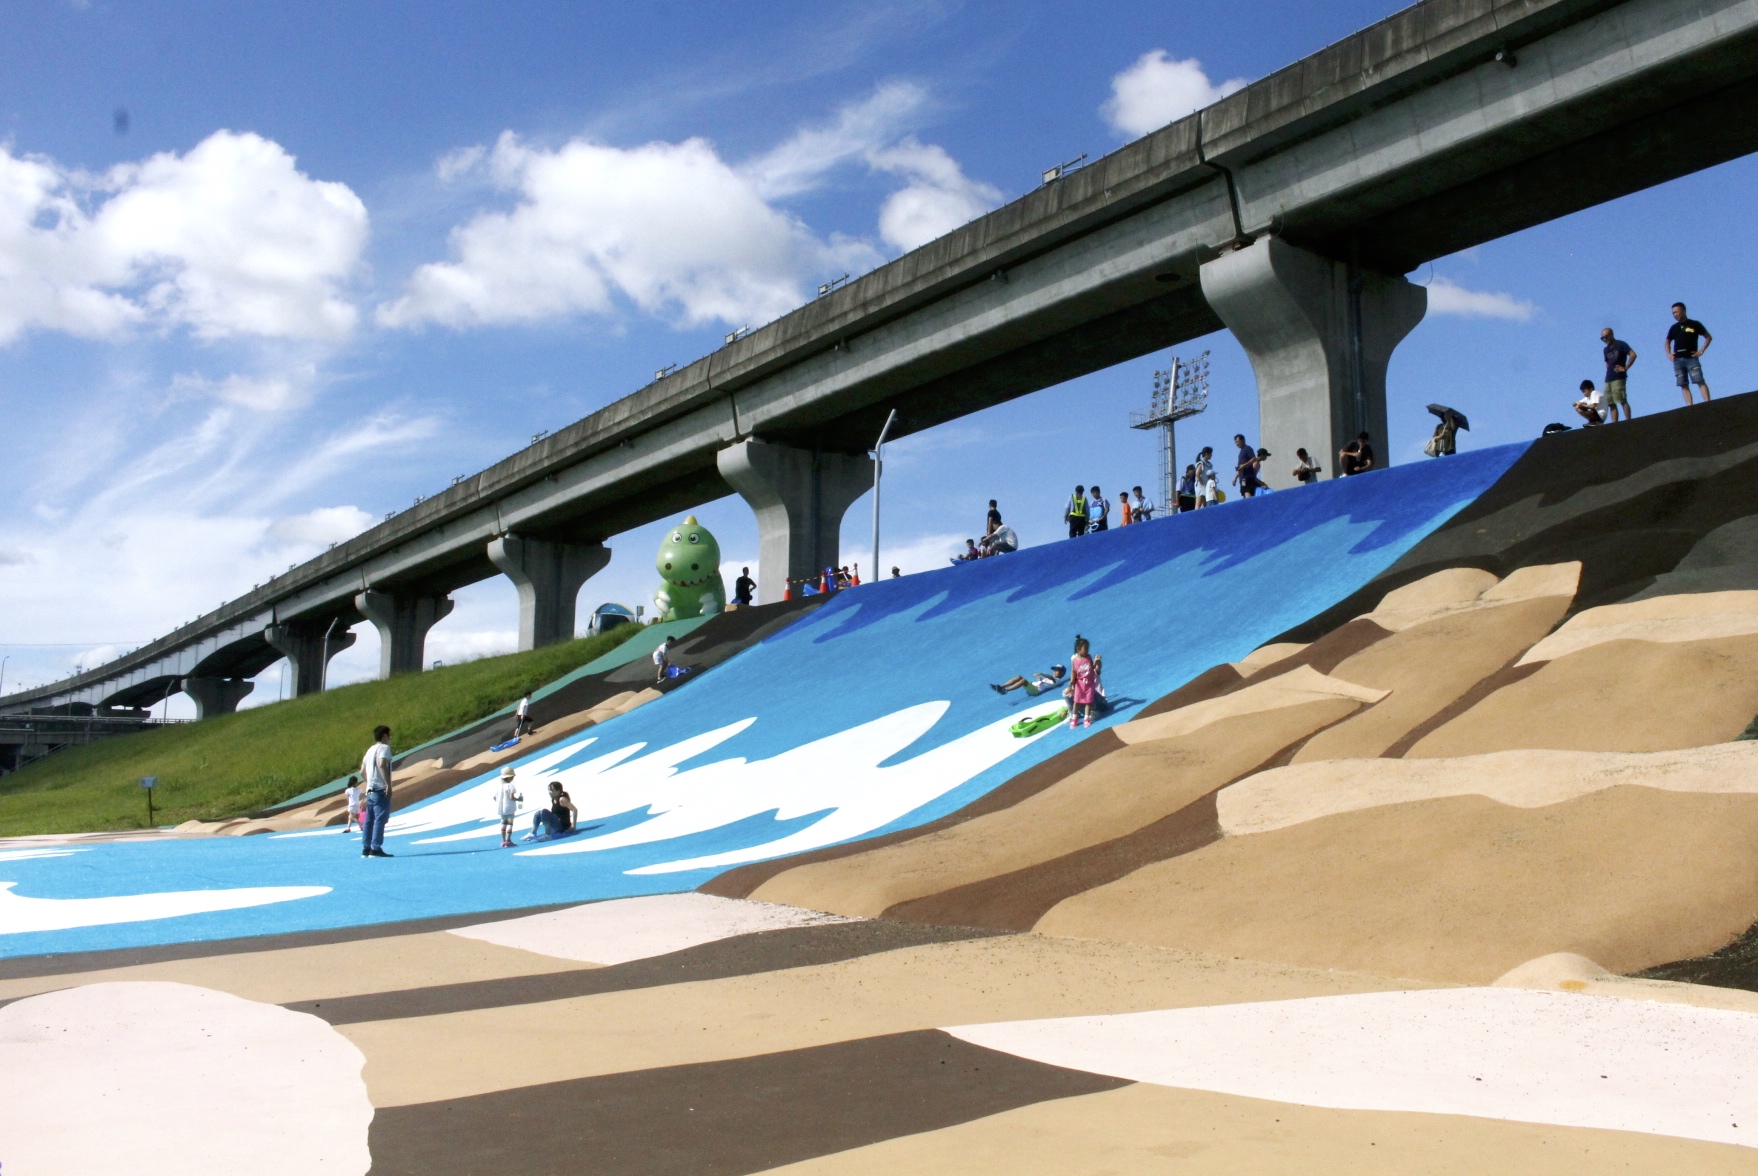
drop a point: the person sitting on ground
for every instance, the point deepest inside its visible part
(1144, 510)
(1364, 448)
(1076, 514)
(970, 551)
(1002, 541)
(1186, 490)
(1038, 683)
(1589, 404)
(1100, 509)
(506, 803)
(1349, 460)
(744, 588)
(1307, 472)
(661, 660)
(843, 577)
(558, 819)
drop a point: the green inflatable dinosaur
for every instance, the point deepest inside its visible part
(689, 565)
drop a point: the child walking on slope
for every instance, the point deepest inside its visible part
(506, 803)
(353, 802)
(1086, 682)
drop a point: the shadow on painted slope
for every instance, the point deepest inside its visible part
(874, 713)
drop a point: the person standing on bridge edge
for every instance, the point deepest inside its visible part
(1076, 514)
(744, 588)
(1620, 357)
(1686, 341)
(375, 769)
(1098, 509)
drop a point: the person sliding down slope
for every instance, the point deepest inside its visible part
(1039, 682)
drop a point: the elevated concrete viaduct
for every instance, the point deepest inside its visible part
(1287, 212)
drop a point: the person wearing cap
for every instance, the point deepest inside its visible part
(506, 803)
(1038, 683)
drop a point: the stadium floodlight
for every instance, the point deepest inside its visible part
(1180, 391)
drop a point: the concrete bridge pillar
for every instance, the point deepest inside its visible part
(402, 620)
(1320, 334)
(306, 649)
(216, 696)
(548, 576)
(799, 498)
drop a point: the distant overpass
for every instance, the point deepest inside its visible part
(1285, 213)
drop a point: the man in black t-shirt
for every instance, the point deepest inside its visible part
(993, 521)
(1364, 460)
(1686, 341)
(744, 588)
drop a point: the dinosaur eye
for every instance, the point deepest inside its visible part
(695, 538)
(676, 537)
(695, 567)
(668, 567)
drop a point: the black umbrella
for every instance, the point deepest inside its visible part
(1451, 414)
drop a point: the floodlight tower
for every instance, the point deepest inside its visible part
(1180, 391)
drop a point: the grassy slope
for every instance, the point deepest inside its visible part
(240, 763)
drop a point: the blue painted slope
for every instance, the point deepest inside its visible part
(872, 713)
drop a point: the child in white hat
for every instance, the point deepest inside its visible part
(506, 803)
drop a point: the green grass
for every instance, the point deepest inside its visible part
(236, 764)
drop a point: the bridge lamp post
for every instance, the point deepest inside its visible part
(879, 468)
(3, 661)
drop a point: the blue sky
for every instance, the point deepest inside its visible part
(338, 254)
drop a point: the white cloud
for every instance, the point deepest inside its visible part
(272, 393)
(1445, 297)
(227, 240)
(675, 229)
(10, 557)
(668, 226)
(1159, 89)
(939, 198)
(325, 525)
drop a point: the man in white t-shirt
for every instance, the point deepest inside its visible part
(661, 660)
(375, 772)
(522, 718)
(1589, 404)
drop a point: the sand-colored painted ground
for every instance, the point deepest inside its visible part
(1620, 695)
(1146, 1130)
(1301, 685)
(1455, 590)
(1132, 787)
(1301, 792)
(1428, 666)
(285, 975)
(1565, 971)
(424, 1059)
(1697, 616)
(1461, 889)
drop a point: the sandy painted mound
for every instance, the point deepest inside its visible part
(1140, 783)
(1460, 889)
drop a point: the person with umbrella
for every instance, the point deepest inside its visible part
(1452, 420)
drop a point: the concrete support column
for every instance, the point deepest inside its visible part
(799, 498)
(548, 576)
(1320, 334)
(402, 620)
(216, 696)
(305, 648)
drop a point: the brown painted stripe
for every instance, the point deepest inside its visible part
(741, 955)
(741, 881)
(1015, 901)
(26, 967)
(721, 1118)
(1506, 676)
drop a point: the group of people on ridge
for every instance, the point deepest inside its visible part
(1090, 514)
(1686, 341)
